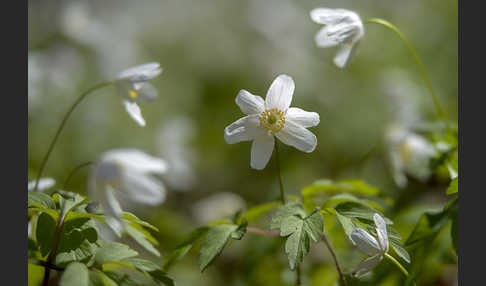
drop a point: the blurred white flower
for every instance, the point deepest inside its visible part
(44, 184)
(173, 144)
(343, 28)
(269, 118)
(124, 175)
(133, 87)
(217, 206)
(409, 154)
(375, 248)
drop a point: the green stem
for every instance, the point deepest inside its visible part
(298, 282)
(331, 250)
(397, 264)
(73, 172)
(63, 122)
(282, 193)
(417, 60)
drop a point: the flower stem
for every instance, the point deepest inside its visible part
(282, 193)
(73, 172)
(397, 264)
(63, 122)
(417, 60)
(262, 232)
(52, 255)
(331, 250)
(298, 282)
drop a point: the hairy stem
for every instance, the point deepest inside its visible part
(417, 60)
(282, 193)
(333, 254)
(61, 126)
(73, 172)
(397, 264)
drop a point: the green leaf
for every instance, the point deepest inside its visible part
(38, 199)
(293, 223)
(256, 212)
(84, 253)
(76, 274)
(131, 218)
(344, 186)
(453, 187)
(140, 236)
(359, 211)
(182, 249)
(113, 251)
(161, 276)
(95, 279)
(53, 213)
(141, 264)
(400, 250)
(214, 243)
(45, 233)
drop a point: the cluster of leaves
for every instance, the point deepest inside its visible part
(65, 237)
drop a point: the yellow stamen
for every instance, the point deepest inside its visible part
(133, 94)
(272, 119)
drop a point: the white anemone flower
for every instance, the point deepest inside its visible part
(133, 87)
(124, 175)
(272, 118)
(44, 184)
(343, 28)
(375, 248)
(409, 154)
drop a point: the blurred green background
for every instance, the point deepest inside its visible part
(209, 50)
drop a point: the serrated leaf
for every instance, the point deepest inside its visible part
(45, 233)
(113, 251)
(161, 277)
(76, 274)
(400, 250)
(141, 264)
(453, 187)
(214, 243)
(141, 238)
(84, 253)
(129, 217)
(293, 223)
(38, 199)
(182, 249)
(240, 231)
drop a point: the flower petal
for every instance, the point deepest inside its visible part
(135, 112)
(261, 151)
(280, 93)
(295, 135)
(381, 232)
(249, 103)
(112, 210)
(146, 92)
(344, 54)
(142, 188)
(44, 184)
(328, 16)
(243, 129)
(323, 40)
(367, 265)
(136, 161)
(141, 73)
(303, 118)
(365, 241)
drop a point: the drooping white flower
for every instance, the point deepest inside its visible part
(409, 154)
(44, 184)
(133, 86)
(375, 248)
(343, 28)
(124, 175)
(269, 118)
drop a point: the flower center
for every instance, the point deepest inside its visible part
(272, 119)
(133, 94)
